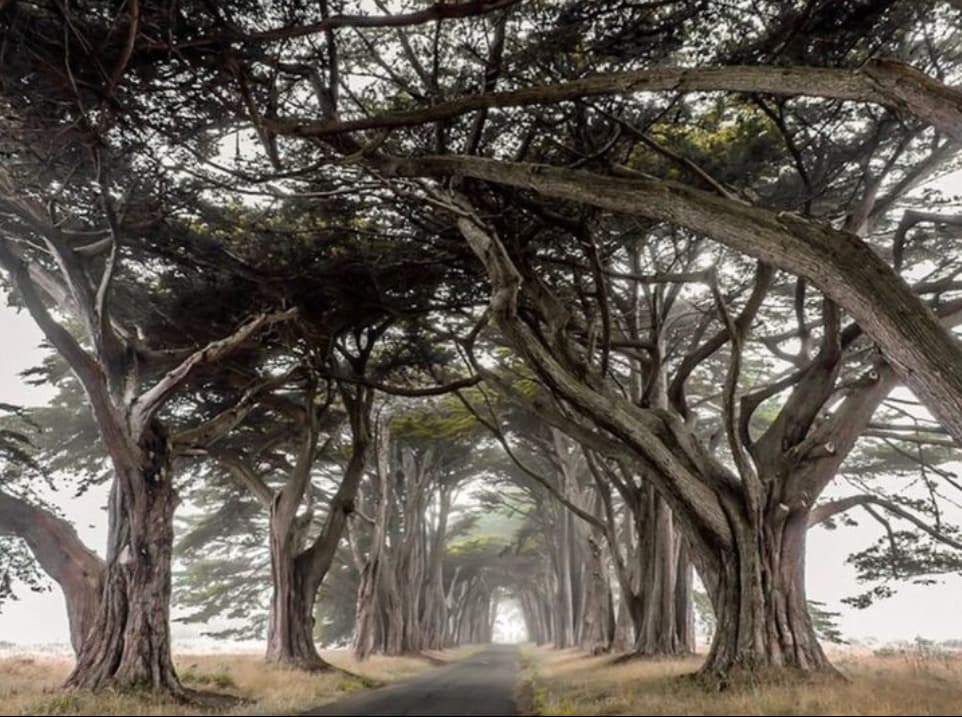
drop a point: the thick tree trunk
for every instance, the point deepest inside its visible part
(129, 643)
(378, 612)
(290, 633)
(54, 543)
(663, 623)
(758, 594)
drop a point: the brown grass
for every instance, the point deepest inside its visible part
(570, 683)
(31, 685)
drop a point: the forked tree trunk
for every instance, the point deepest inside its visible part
(758, 595)
(129, 643)
(296, 573)
(290, 632)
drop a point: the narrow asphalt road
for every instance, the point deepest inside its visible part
(480, 685)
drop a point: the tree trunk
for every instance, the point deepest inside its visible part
(684, 597)
(129, 643)
(596, 632)
(55, 545)
(656, 581)
(624, 629)
(435, 600)
(565, 636)
(666, 596)
(758, 595)
(290, 633)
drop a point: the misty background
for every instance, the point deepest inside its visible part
(927, 611)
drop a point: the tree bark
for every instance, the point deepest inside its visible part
(297, 575)
(890, 84)
(746, 534)
(435, 603)
(758, 594)
(128, 645)
(54, 543)
(657, 631)
(597, 620)
(684, 597)
(290, 633)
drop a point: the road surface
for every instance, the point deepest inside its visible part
(480, 685)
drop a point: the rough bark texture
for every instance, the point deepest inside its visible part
(597, 624)
(54, 543)
(290, 637)
(657, 630)
(129, 644)
(290, 633)
(758, 594)
(653, 568)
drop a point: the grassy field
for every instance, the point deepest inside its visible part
(890, 682)
(31, 685)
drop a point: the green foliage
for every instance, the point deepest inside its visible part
(433, 424)
(20, 477)
(719, 140)
(704, 613)
(825, 622)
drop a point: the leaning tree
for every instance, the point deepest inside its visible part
(37, 542)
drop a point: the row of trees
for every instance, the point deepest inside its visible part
(674, 260)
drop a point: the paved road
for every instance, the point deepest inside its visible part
(480, 685)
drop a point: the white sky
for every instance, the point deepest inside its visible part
(931, 612)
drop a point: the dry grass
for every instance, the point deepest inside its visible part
(570, 683)
(31, 685)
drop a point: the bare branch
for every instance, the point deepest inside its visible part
(889, 84)
(823, 512)
(149, 402)
(208, 432)
(438, 11)
(244, 475)
(741, 457)
(128, 50)
(410, 392)
(927, 357)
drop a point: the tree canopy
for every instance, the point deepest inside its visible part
(665, 284)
